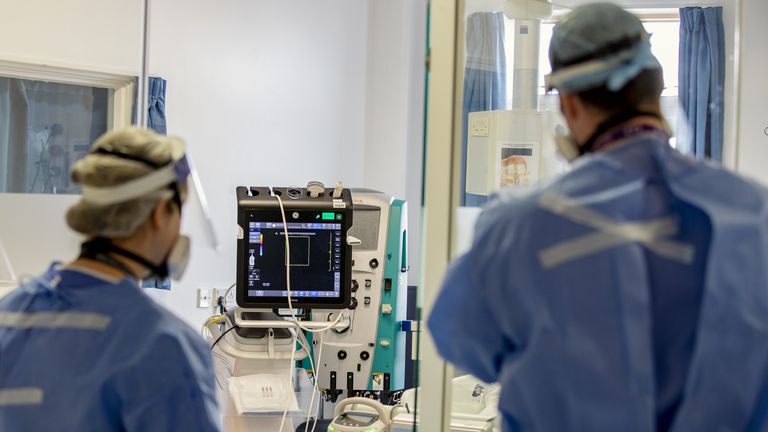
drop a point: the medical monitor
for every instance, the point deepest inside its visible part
(320, 258)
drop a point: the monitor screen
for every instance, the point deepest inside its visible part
(317, 257)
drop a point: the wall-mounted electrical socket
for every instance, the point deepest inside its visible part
(479, 127)
(203, 297)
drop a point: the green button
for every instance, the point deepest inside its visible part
(328, 216)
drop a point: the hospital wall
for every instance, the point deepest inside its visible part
(88, 35)
(395, 109)
(85, 34)
(752, 152)
(265, 93)
(282, 92)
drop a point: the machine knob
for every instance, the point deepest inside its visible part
(374, 263)
(355, 285)
(364, 355)
(294, 193)
(352, 303)
(341, 355)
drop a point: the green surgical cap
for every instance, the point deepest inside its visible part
(598, 44)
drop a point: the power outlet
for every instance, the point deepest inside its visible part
(203, 297)
(479, 127)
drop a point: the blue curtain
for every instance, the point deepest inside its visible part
(701, 79)
(156, 105)
(485, 80)
(156, 121)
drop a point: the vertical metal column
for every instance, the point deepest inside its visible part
(525, 91)
(143, 91)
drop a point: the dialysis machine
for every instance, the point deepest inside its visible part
(348, 276)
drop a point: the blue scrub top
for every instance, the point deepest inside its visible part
(631, 294)
(82, 353)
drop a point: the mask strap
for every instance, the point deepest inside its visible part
(99, 248)
(611, 123)
(174, 186)
(121, 155)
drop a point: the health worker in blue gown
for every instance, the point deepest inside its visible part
(82, 347)
(631, 293)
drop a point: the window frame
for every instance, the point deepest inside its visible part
(121, 99)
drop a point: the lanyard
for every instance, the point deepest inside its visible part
(627, 132)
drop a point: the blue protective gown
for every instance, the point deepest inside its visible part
(87, 354)
(588, 328)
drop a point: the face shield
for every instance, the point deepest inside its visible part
(166, 179)
(174, 173)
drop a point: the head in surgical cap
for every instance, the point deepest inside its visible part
(597, 45)
(96, 169)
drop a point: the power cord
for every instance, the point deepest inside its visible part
(222, 335)
(288, 277)
(296, 320)
(315, 372)
(316, 390)
(290, 376)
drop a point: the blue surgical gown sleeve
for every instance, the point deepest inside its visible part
(463, 322)
(156, 397)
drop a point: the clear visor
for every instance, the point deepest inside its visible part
(179, 171)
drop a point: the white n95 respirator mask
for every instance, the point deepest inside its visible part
(177, 260)
(566, 144)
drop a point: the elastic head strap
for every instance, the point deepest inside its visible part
(122, 155)
(99, 249)
(165, 176)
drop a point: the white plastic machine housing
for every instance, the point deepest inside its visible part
(353, 351)
(358, 331)
(509, 148)
(503, 147)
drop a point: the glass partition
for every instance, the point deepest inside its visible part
(502, 132)
(48, 126)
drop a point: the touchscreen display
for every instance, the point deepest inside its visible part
(316, 257)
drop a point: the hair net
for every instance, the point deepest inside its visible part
(598, 44)
(102, 170)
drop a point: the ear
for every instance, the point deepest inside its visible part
(571, 106)
(159, 214)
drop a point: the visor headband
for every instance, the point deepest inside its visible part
(613, 72)
(176, 172)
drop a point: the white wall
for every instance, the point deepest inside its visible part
(265, 93)
(395, 108)
(752, 154)
(89, 34)
(33, 231)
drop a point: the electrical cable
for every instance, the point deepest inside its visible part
(222, 335)
(315, 378)
(288, 277)
(211, 320)
(316, 391)
(309, 355)
(290, 377)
